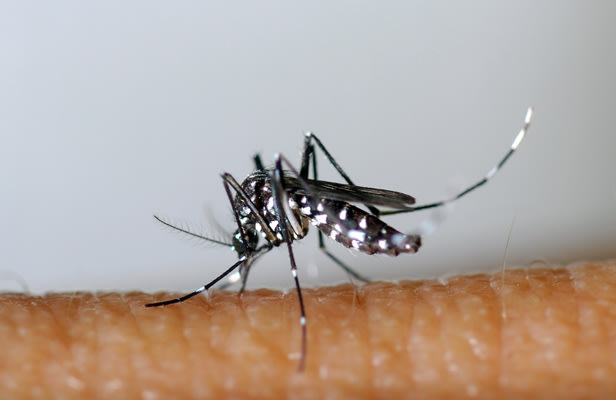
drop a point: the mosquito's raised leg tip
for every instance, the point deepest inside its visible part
(529, 114)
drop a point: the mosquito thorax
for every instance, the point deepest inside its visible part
(257, 188)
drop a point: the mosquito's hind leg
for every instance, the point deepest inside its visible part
(514, 146)
(339, 263)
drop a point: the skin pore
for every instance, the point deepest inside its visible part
(544, 332)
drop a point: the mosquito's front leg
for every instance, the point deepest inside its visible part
(201, 289)
(230, 182)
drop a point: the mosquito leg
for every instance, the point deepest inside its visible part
(229, 282)
(309, 150)
(322, 246)
(278, 195)
(307, 155)
(244, 276)
(242, 235)
(245, 268)
(201, 289)
(308, 146)
(514, 146)
(280, 160)
(342, 265)
(228, 182)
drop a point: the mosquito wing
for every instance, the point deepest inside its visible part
(348, 193)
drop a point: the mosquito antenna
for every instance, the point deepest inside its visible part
(217, 225)
(514, 146)
(177, 228)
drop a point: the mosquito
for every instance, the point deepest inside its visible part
(279, 204)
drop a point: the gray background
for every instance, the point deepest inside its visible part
(110, 113)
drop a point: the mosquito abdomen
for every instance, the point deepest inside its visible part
(355, 228)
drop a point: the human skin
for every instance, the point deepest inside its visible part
(526, 333)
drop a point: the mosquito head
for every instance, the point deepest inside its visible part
(247, 244)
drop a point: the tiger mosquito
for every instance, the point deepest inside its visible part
(279, 204)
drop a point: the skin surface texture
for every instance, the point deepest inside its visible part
(527, 333)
